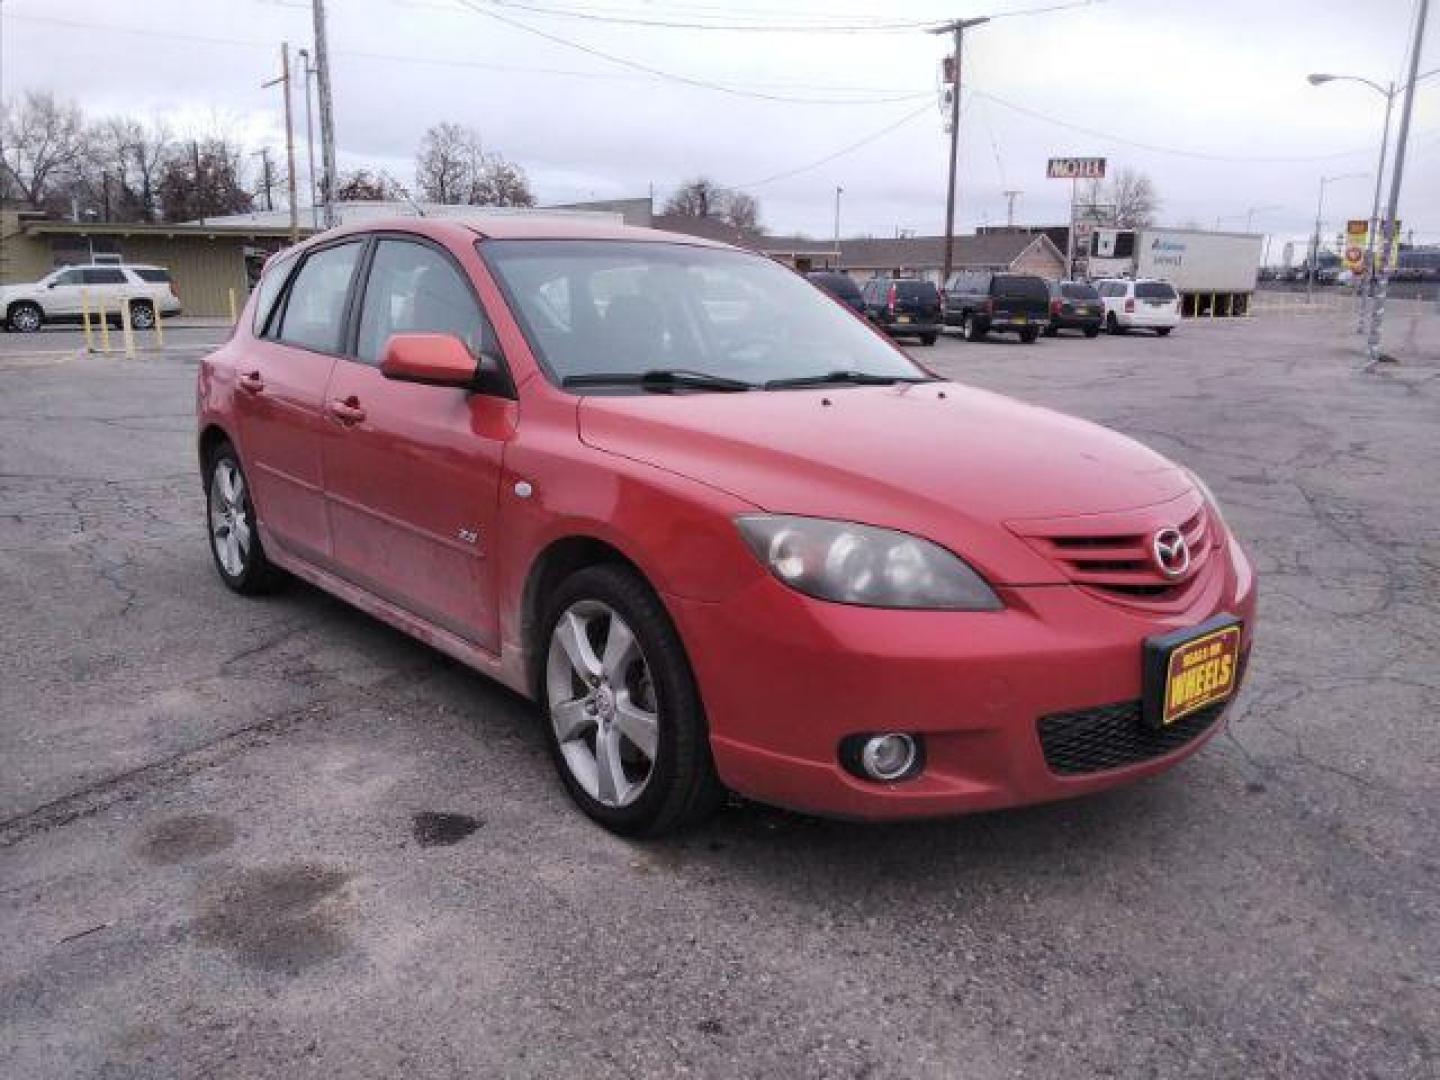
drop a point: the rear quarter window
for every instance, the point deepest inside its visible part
(152, 275)
(270, 286)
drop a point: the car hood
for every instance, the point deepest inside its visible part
(938, 460)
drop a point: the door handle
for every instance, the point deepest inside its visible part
(347, 411)
(252, 382)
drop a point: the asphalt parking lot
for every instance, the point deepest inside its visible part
(214, 859)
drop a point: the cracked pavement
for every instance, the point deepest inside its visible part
(217, 815)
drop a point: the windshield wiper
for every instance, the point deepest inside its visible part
(658, 379)
(857, 378)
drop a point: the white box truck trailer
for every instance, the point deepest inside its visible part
(1213, 272)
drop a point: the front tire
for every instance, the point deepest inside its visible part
(1112, 324)
(1163, 331)
(625, 725)
(1092, 331)
(971, 329)
(928, 339)
(1029, 336)
(25, 318)
(234, 538)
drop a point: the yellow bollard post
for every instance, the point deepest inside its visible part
(104, 327)
(127, 329)
(234, 315)
(85, 319)
(159, 329)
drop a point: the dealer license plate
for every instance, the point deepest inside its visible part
(1191, 669)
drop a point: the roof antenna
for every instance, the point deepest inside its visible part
(405, 194)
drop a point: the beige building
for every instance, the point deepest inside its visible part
(205, 262)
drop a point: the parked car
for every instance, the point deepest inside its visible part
(60, 296)
(841, 286)
(981, 302)
(904, 307)
(760, 550)
(1075, 305)
(1142, 303)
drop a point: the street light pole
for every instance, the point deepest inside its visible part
(1315, 240)
(1397, 175)
(957, 28)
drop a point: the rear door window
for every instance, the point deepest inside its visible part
(1154, 290)
(102, 275)
(314, 314)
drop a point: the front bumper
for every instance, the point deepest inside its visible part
(784, 678)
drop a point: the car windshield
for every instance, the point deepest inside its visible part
(1154, 290)
(592, 308)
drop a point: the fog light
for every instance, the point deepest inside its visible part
(888, 757)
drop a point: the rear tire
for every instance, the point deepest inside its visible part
(1092, 331)
(928, 339)
(234, 535)
(1052, 331)
(1029, 336)
(643, 680)
(1163, 331)
(25, 318)
(1112, 324)
(971, 329)
(142, 315)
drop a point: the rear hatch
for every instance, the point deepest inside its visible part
(1077, 302)
(1014, 296)
(914, 301)
(1156, 296)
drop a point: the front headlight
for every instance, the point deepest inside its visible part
(861, 564)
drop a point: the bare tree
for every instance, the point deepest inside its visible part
(363, 185)
(42, 146)
(501, 183)
(1127, 201)
(449, 163)
(702, 197)
(743, 211)
(203, 178)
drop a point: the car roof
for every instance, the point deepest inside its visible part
(516, 227)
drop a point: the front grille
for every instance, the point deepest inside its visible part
(1110, 554)
(1113, 736)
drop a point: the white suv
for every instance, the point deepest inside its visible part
(59, 297)
(1139, 302)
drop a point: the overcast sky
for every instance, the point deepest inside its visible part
(1215, 92)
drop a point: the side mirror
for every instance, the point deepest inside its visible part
(441, 360)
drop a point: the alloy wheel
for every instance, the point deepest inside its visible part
(602, 703)
(231, 530)
(142, 316)
(26, 319)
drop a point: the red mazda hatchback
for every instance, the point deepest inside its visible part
(724, 533)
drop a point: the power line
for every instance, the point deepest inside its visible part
(842, 151)
(671, 76)
(757, 26)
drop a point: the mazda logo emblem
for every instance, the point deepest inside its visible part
(1172, 553)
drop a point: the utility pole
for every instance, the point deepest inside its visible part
(838, 192)
(266, 179)
(284, 83)
(1397, 175)
(310, 142)
(1010, 207)
(957, 28)
(327, 114)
